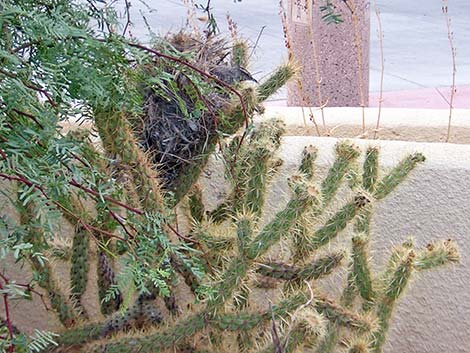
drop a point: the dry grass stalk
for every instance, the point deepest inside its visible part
(317, 65)
(288, 41)
(450, 36)
(382, 70)
(360, 59)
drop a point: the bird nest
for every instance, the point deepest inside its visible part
(181, 117)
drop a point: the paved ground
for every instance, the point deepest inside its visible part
(416, 47)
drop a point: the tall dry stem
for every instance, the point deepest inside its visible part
(288, 43)
(450, 36)
(360, 59)
(382, 69)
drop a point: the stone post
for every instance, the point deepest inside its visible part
(334, 58)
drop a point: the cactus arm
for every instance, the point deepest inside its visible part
(307, 164)
(437, 254)
(277, 80)
(337, 223)
(328, 343)
(346, 153)
(394, 288)
(315, 270)
(80, 265)
(282, 223)
(370, 169)
(397, 175)
(196, 206)
(361, 270)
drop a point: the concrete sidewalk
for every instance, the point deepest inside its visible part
(425, 98)
(416, 48)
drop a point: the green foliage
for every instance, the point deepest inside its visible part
(62, 59)
(329, 14)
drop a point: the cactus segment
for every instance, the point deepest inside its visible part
(314, 270)
(361, 270)
(329, 341)
(342, 316)
(277, 80)
(337, 223)
(359, 345)
(196, 207)
(437, 254)
(80, 264)
(346, 153)
(395, 286)
(370, 169)
(240, 55)
(397, 175)
(282, 223)
(106, 280)
(307, 164)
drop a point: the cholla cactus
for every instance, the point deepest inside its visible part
(223, 258)
(235, 247)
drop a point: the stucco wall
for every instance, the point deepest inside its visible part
(432, 204)
(434, 315)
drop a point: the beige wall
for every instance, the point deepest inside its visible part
(432, 204)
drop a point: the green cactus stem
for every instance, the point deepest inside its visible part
(244, 233)
(240, 54)
(397, 175)
(257, 181)
(370, 169)
(337, 223)
(35, 235)
(328, 343)
(300, 235)
(359, 345)
(315, 270)
(79, 265)
(346, 154)
(196, 206)
(80, 335)
(107, 280)
(350, 291)
(277, 80)
(186, 328)
(343, 317)
(304, 198)
(295, 340)
(307, 164)
(393, 290)
(361, 270)
(437, 254)
(119, 140)
(236, 271)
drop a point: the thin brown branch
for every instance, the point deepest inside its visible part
(75, 183)
(118, 219)
(89, 227)
(29, 288)
(6, 305)
(382, 62)
(30, 116)
(128, 15)
(360, 58)
(450, 36)
(181, 236)
(31, 86)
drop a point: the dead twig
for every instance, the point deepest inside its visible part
(450, 36)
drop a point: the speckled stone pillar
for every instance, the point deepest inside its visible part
(334, 57)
